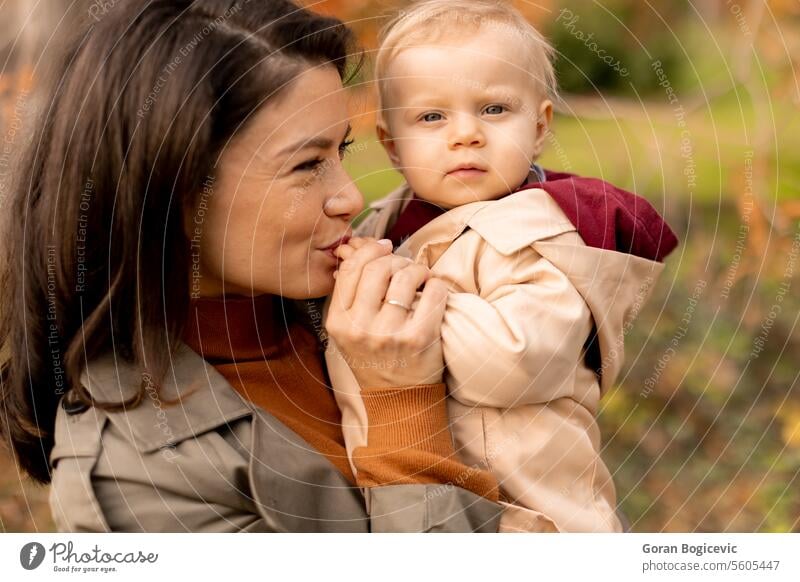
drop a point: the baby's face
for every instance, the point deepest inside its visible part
(464, 120)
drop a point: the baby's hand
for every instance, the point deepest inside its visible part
(346, 251)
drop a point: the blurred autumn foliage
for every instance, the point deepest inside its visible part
(703, 431)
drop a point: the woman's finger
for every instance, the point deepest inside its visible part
(349, 274)
(375, 279)
(403, 290)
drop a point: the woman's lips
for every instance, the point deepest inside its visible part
(329, 250)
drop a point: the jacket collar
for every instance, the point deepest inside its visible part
(508, 225)
(206, 402)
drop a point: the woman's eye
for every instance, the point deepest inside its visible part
(307, 165)
(494, 109)
(317, 164)
(344, 147)
(431, 117)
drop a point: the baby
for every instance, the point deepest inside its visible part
(546, 271)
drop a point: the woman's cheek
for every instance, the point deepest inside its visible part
(316, 276)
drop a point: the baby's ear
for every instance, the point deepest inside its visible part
(543, 121)
(387, 141)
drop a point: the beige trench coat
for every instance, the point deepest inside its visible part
(216, 463)
(526, 294)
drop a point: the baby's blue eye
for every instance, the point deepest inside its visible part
(494, 109)
(431, 117)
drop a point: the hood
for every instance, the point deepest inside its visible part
(608, 217)
(626, 242)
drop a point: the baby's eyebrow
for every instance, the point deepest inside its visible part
(499, 91)
(483, 94)
(421, 103)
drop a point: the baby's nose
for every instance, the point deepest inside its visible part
(466, 131)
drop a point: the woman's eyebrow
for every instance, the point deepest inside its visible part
(317, 142)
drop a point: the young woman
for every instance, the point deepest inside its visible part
(182, 198)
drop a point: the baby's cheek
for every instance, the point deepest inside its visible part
(515, 170)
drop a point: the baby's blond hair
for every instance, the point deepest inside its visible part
(432, 20)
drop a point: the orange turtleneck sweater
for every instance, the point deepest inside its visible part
(277, 363)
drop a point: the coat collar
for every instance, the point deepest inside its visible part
(508, 225)
(207, 400)
(286, 475)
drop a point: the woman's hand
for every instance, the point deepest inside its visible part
(386, 344)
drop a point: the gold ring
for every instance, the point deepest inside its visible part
(398, 303)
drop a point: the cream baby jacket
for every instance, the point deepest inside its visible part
(526, 296)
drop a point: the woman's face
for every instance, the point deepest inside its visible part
(281, 200)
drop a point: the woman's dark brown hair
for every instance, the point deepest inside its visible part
(95, 255)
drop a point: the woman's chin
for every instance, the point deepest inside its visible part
(318, 284)
(325, 284)
(322, 289)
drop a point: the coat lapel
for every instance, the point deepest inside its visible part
(205, 400)
(295, 488)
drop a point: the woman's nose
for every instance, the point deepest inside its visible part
(346, 200)
(466, 131)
